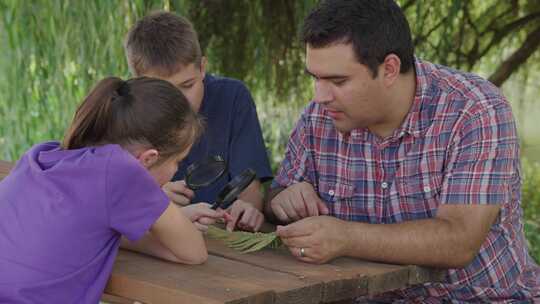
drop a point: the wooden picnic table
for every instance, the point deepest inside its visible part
(266, 276)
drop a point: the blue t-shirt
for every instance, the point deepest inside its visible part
(232, 131)
(62, 213)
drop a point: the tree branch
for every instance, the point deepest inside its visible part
(408, 4)
(499, 34)
(510, 65)
(502, 32)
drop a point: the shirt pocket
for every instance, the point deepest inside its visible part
(418, 195)
(338, 197)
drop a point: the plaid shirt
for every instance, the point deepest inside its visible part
(457, 145)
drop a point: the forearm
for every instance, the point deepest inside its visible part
(432, 242)
(149, 245)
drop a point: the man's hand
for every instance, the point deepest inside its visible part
(178, 192)
(201, 215)
(244, 216)
(296, 202)
(321, 238)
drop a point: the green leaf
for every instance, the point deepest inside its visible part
(245, 242)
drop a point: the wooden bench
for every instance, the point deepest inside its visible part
(267, 276)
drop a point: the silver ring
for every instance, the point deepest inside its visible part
(302, 252)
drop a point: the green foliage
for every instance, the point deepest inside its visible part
(245, 242)
(53, 52)
(531, 206)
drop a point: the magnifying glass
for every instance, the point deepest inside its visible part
(230, 192)
(205, 172)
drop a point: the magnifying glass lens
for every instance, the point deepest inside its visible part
(205, 172)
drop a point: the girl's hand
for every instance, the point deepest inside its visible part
(201, 215)
(178, 192)
(244, 216)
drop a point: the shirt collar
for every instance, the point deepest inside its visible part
(423, 107)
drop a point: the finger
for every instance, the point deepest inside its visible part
(299, 241)
(300, 207)
(258, 223)
(178, 198)
(202, 228)
(247, 217)
(227, 216)
(235, 215)
(206, 220)
(311, 206)
(180, 187)
(323, 209)
(204, 211)
(289, 210)
(280, 213)
(294, 230)
(295, 251)
(250, 219)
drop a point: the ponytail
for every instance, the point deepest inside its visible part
(93, 116)
(141, 110)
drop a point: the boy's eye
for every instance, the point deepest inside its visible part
(339, 82)
(186, 86)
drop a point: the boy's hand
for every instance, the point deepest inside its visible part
(178, 192)
(201, 215)
(244, 216)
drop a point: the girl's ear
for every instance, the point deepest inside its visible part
(148, 158)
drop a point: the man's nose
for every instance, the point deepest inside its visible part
(323, 93)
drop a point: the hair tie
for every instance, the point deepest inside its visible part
(123, 89)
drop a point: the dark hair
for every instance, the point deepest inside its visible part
(137, 111)
(162, 41)
(376, 28)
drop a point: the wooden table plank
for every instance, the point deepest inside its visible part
(379, 277)
(419, 274)
(217, 281)
(110, 299)
(343, 278)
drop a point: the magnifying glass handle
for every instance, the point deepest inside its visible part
(222, 204)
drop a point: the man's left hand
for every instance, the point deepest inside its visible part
(316, 239)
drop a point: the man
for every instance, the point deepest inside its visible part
(164, 45)
(402, 161)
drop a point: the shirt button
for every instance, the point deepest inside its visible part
(427, 189)
(384, 185)
(331, 192)
(402, 133)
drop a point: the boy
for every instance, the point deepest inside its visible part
(164, 45)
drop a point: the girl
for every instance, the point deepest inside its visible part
(64, 207)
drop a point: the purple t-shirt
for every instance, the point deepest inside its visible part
(62, 213)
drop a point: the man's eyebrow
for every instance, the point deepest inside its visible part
(327, 77)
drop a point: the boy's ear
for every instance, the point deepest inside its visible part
(204, 61)
(148, 158)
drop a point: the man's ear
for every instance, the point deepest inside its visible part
(148, 158)
(391, 67)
